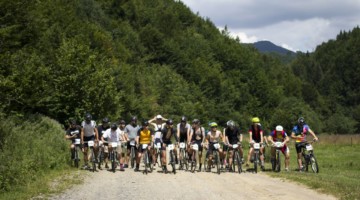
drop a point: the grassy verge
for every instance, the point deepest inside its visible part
(34, 157)
(339, 166)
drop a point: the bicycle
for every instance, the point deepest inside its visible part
(256, 156)
(237, 160)
(171, 148)
(92, 155)
(216, 156)
(76, 153)
(195, 149)
(113, 156)
(276, 163)
(132, 153)
(147, 158)
(184, 156)
(308, 157)
(101, 156)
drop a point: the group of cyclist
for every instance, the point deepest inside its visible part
(159, 131)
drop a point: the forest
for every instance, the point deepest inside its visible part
(123, 58)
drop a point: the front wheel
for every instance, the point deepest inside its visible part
(172, 161)
(238, 160)
(132, 157)
(314, 164)
(217, 160)
(277, 162)
(256, 160)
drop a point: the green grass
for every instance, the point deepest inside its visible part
(339, 172)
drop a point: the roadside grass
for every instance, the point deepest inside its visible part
(339, 167)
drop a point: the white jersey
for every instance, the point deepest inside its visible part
(112, 136)
(157, 130)
(88, 128)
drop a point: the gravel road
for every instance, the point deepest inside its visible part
(186, 185)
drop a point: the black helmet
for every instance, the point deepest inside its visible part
(105, 120)
(145, 123)
(73, 122)
(169, 122)
(122, 121)
(196, 121)
(88, 117)
(301, 121)
(183, 119)
(114, 126)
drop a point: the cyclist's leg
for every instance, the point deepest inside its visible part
(262, 155)
(72, 150)
(249, 155)
(231, 153)
(286, 153)
(298, 151)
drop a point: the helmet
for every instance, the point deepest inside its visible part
(255, 120)
(169, 122)
(213, 124)
(301, 121)
(230, 123)
(279, 128)
(114, 126)
(88, 117)
(73, 122)
(159, 117)
(145, 123)
(122, 121)
(183, 119)
(196, 121)
(105, 120)
(134, 119)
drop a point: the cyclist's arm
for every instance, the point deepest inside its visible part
(96, 134)
(270, 138)
(188, 134)
(178, 132)
(287, 139)
(250, 137)
(295, 137)
(82, 135)
(262, 137)
(313, 134)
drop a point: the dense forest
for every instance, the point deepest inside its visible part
(119, 58)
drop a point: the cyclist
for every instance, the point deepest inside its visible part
(101, 129)
(167, 132)
(158, 124)
(123, 141)
(214, 136)
(299, 134)
(88, 133)
(145, 135)
(113, 135)
(183, 132)
(232, 136)
(131, 131)
(279, 135)
(72, 133)
(197, 136)
(256, 136)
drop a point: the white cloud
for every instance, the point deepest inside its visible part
(297, 25)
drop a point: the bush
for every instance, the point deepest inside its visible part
(29, 147)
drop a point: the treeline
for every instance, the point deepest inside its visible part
(146, 57)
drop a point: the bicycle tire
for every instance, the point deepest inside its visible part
(132, 157)
(238, 160)
(93, 160)
(146, 161)
(172, 160)
(277, 162)
(76, 158)
(256, 162)
(193, 162)
(314, 164)
(217, 160)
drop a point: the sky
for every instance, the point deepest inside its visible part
(298, 25)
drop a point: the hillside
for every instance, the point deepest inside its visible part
(123, 58)
(269, 47)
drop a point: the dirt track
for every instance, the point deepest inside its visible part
(186, 185)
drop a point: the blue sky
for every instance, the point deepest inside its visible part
(299, 25)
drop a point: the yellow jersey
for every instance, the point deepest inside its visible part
(145, 136)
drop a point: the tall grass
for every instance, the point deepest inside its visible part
(31, 148)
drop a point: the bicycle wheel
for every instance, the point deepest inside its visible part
(277, 162)
(256, 159)
(132, 157)
(238, 161)
(172, 161)
(193, 162)
(146, 161)
(217, 161)
(76, 158)
(314, 164)
(151, 167)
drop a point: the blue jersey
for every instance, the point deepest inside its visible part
(301, 131)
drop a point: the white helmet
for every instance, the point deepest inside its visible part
(279, 128)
